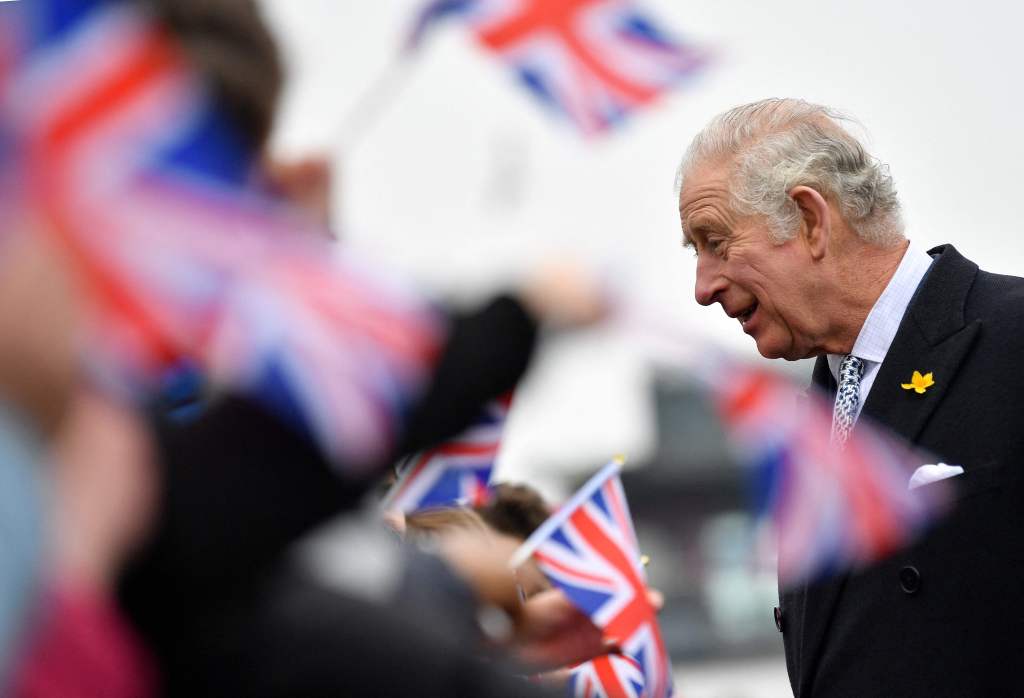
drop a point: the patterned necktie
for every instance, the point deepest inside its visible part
(844, 415)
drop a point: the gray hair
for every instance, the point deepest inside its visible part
(777, 144)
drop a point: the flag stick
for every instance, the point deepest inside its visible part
(373, 102)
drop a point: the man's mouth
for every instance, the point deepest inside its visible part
(745, 315)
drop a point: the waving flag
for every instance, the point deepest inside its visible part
(592, 61)
(833, 509)
(610, 676)
(456, 473)
(433, 12)
(136, 172)
(588, 549)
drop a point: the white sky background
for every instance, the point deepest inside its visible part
(465, 182)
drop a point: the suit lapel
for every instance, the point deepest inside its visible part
(906, 412)
(933, 336)
(822, 378)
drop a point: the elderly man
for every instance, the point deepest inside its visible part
(798, 235)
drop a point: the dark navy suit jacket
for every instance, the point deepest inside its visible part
(944, 617)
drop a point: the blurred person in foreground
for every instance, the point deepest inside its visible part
(798, 236)
(37, 379)
(213, 592)
(101, 479)
(73, 500)
(66, 526)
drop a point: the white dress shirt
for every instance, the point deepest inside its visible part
(884, 319)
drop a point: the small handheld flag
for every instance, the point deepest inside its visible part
(588, 549)
(456, 473)
(833, 509)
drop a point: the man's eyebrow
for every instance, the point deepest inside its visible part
(691, 235)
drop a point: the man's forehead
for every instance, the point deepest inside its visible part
(703, 181)
(706, 196)
(704, 190)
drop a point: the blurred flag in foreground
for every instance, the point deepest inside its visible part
(456, 473)
(610, 676)
(121, 155)
(593, 61)
(833, 509)
(588, 549)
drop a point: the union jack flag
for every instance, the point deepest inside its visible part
(610, 676)
(832, 509)
(588, 549)
(456, 473)
(592, 61)
(133, 168)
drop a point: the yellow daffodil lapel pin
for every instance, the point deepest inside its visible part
(919, 383)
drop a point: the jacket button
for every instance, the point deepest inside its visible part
(910, 579)
(777, 612)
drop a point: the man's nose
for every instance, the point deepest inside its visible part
(709, 281)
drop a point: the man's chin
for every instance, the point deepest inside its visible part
(776, 350)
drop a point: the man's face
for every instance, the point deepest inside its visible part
(768, 287)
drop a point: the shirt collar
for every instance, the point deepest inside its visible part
(883, 321)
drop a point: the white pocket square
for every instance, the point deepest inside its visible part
(927, 474)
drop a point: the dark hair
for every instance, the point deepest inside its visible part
(228, 42)
(515, 509)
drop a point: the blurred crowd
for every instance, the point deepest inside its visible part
(148, 546)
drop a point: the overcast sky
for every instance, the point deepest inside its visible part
(465, 182)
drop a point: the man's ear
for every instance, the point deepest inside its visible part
(817, 222)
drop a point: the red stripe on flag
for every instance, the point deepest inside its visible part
(874, 518)
(639, 610)
(612, 498)
(460, 448)
(613, 687)
(570, 571)
(753, 385)
(155, 58)
(561, 17)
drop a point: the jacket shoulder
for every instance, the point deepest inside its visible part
(998, 298)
